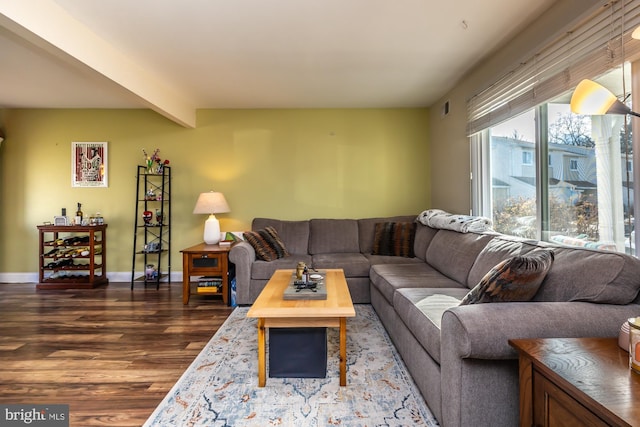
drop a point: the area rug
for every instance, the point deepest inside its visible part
(220, 387)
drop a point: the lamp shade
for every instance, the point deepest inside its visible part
(591, 98)
(211, 203)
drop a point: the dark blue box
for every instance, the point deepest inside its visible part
(297, 352)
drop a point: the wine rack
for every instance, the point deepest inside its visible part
(72, 256)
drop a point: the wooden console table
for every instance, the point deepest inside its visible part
(576, 381)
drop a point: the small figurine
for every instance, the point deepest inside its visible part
(150, 272)
(147, 216)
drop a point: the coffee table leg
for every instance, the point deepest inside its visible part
(262, 361)
(343, 351)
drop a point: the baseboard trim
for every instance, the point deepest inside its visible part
(113, 277)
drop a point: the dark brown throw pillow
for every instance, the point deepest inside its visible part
(514, 279)
(267, 244)
(394, 239)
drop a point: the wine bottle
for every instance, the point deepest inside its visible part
(79, 214)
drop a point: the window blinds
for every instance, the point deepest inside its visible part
(587, 49)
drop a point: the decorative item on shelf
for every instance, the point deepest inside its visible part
(150, 195)
(151, 273)
(60, 220)
(211, 203)
(154, 163)
(78, 218)
(147, 216)
(159, 217)
(152, 247)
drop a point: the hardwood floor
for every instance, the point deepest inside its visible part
(112, 354)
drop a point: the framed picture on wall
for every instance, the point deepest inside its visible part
(89, 164)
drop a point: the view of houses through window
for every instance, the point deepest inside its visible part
(581, 195)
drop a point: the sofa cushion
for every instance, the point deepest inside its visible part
(294, 234)
(366, 230)
(266, 243)
(424, 236)
(514, 279)
(422, 309)
(394, 239)
(453, 253)
(384, 259)
(387, 278)
(353, 264)
(588, 275)
(329, 236)
(263, 270)
(497, 250)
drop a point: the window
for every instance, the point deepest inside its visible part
(513, 176)
(582, 195)
(573, 164)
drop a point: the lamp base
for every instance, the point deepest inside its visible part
(211, 230)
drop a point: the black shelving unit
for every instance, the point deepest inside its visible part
(152, 238)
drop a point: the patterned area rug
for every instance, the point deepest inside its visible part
(220, 387)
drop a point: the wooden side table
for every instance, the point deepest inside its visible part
(576, 381)
(205, 260)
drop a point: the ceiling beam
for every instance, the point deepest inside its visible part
(48, 26)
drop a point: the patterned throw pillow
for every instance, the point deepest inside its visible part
(394, 239)
(514, 279)
(266, 243)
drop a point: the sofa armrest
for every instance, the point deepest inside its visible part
(242, 255)
(479, 370)
(482, 331)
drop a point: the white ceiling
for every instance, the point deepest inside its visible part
(175, 56)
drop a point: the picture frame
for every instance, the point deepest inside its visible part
(89, 164)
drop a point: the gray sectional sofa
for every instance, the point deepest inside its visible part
(458, 355)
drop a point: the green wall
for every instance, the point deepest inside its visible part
(289, 164)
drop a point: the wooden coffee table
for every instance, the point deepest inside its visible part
(272, 311)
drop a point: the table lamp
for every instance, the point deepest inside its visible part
(211, 203)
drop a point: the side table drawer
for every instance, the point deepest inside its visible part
(206, 263)
(553, 407)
